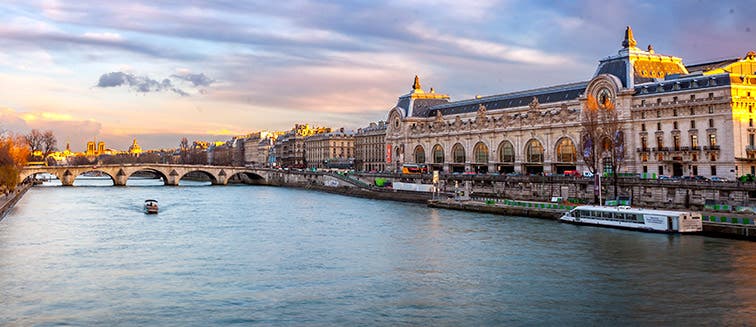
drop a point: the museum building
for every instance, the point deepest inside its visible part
(675, 120)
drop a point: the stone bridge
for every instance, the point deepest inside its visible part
(171, 174)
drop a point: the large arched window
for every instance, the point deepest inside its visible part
(438, 154)
(534, 151)
(565, 150)
(419, 154)
(506, 152)
(480, 153)
(458, 152)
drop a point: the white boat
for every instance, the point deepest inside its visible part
(150, 206)
(636, 218)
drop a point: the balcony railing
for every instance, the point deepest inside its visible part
(711, 148)
(645, 149)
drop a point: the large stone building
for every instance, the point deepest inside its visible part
(370, 147)
(289, 148)
(254, 154)
(330, 150)
(672, 119)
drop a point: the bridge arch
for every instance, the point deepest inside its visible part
(155, 171)
(247, 177)
(23, 175)
(213, 179)
(80, 172)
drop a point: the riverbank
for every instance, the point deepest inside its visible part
(547, 211)
(8, 201)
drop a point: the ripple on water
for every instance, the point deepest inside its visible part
(276, 256)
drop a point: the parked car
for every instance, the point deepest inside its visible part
(664, 178)
(574, 173)
(718, 179)
(587, 174)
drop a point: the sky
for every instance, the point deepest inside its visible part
(158, 71)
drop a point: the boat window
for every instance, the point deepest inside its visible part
(576, 214)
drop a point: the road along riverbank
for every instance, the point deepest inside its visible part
(8, 201)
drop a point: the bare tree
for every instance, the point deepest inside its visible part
(602, 138)
(34, 140)
(49, 143)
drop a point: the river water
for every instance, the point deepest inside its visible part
(241, 255)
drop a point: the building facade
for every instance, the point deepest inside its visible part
(672, 120)
(370, 147)
(289, 148)
(330, 150)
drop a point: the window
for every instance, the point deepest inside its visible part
(712, 139)
(659, 142)
(643, 102)
(692, 97)
(643, 115)
(674, 99)
(643, 127)
(438, 154)
(566, 151)
(458, 152)
(692, 124)
(674, 125)
(506, 152)
(480, 153)
(658, 101)
(750, 140)
(694, 157)
(658, 126)
(711, 123)
(711, 95)
(419, 154)
(750, 122)
(661, 170)
(711, 108)
(694, 141)
(645, 169)
(676, 141)
(534, 151)
(713, 170)
(658, 113)
(692, 111)
(695, 170)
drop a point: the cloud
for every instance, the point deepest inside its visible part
(196, 79)
(141, 84)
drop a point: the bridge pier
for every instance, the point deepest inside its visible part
(68, 179)
(120, 180)
(172, 180)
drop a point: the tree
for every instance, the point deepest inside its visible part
(602, 138)
(34, 140)
(49, 143)
(13, 156)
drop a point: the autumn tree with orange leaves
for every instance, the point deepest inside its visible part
(13, 156)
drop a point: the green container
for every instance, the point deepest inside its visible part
(380, 181)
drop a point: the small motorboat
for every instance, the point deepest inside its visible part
(150, 206)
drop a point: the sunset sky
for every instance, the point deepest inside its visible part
(162, 70)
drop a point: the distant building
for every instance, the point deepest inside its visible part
(370, 147)
(330, 150)
(289, 148)
(135, 149)
(95, 149)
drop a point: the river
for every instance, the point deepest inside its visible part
(241, 255)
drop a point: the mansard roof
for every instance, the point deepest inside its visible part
(551, 94)
(682, 83)
(707, 66)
